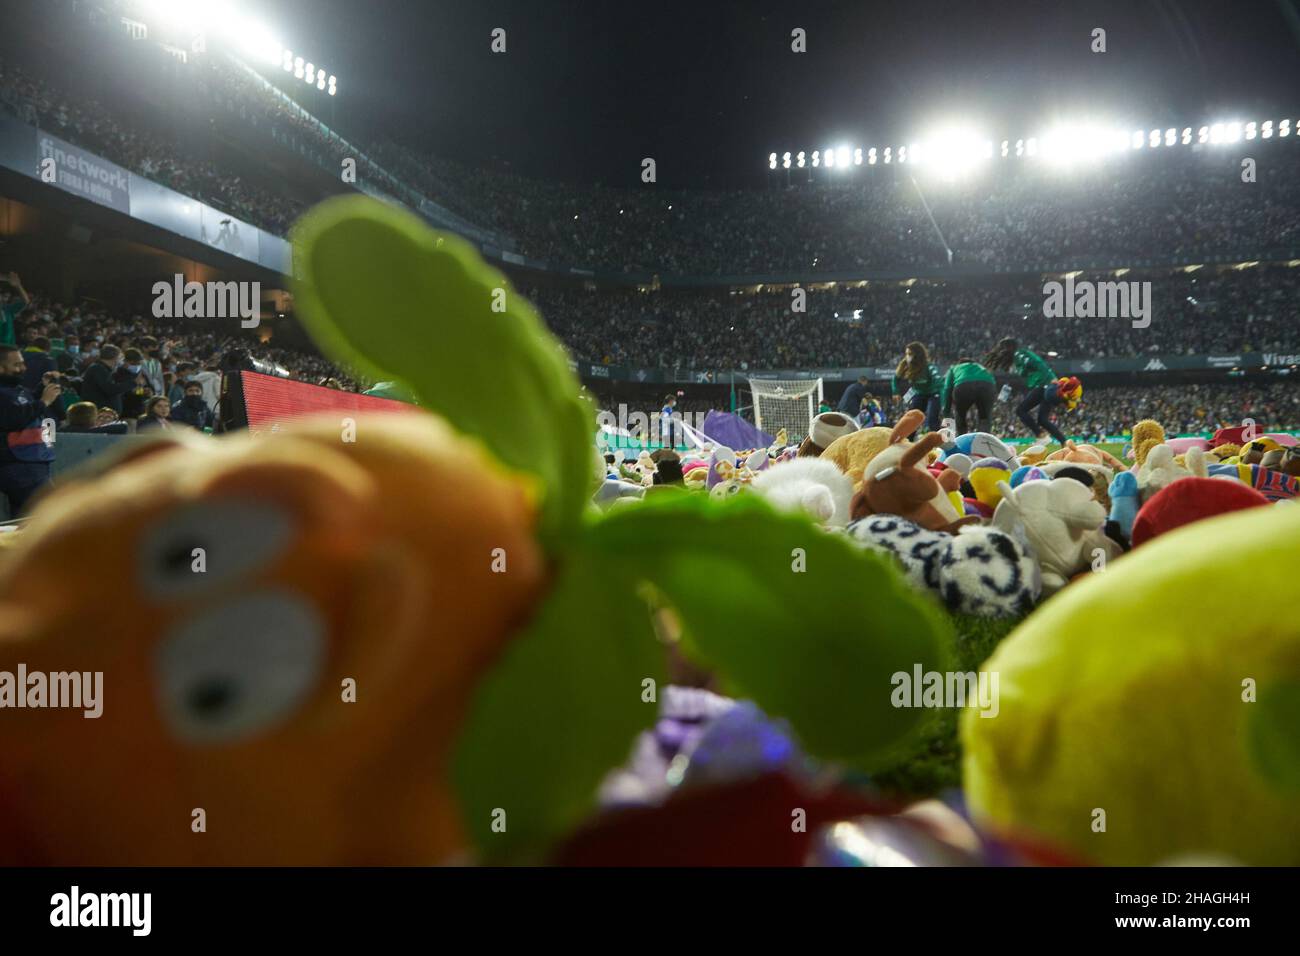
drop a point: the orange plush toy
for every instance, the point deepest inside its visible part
(223, 693)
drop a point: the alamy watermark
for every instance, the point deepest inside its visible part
(208, 300)
(1086, 299)
(59, 689)
(922, 688)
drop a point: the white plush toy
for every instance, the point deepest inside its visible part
(810, 485)
(1062, 523)
(1160, 470)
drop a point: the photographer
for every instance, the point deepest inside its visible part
(27, 451)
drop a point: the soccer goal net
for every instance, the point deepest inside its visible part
(791, 405)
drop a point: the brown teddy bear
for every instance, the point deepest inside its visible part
(896, 482)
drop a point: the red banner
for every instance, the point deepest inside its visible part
(269, 400)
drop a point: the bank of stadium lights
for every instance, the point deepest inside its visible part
(207, 18)
(954, 152)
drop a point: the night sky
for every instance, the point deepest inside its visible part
(710, 88)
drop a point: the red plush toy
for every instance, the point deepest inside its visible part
(1191, 499)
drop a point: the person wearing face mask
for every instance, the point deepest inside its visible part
(192, 410)
(99, 384)
(132, 371)
(69, 360)
(26, 427)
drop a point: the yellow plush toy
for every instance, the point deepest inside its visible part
(1184, 741)
(854, 451)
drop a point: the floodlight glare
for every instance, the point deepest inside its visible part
(817, 161)
(1005, 145)
(288, 61)
(1251, 129)
(952, 151)
(1216, 133)
(842, 155)
(1072, 143)
(830, 157)
(857, 156)
(1137, 140)
(320, 81)
(1234, 132)
(1171, 136)
(1203, 135)
(1267, 131)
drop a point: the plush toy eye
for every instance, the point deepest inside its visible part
(239, 669)
(201, 546)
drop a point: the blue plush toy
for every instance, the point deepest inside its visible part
(1124, 501)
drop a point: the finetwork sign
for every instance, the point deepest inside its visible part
(83, 174)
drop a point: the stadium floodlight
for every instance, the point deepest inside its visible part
(257, 40)
(785, 160)
(1216, 133)
(830, 157)
(1252, 129)
(1284, 127)
(1005, 146)
(902, 154)
(334, 88)
(817, 157)
(1072, 143)
(888, 154)
(1266, 130)
(320, 81)
(857, 156)
(1171, 136)
(288, 61)
(1203, 135)
(191, 16)
(842, 156)
(801, 159)
(1137, 140)
(952, 151)
(871, 156)
(1187, 136)
(1233, 132)
(1153, 139)
(771, 161)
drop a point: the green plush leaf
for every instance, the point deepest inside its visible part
(559, 710)
(817, 647)
(381, 292)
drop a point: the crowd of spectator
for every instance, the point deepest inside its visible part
(1150, 205)
(121, 373)
(86, 122)
(853, 326)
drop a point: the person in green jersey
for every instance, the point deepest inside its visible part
(921, 376)
(969, 385)
(1043, 390)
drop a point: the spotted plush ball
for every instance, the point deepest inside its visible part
(980, 571)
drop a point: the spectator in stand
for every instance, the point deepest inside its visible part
(82, 417)
(27, 451)
(132, 372)
(157, 415)
(209, 380)
(13, 300)
(193, 409)
(100, 383)
(69, 359)
(38, 360)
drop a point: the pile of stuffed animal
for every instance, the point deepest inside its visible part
(458, 635)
